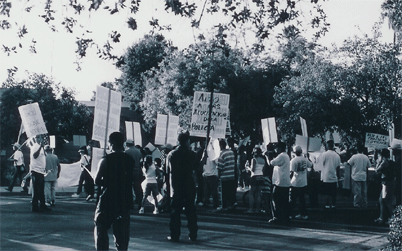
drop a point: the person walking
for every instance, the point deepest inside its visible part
(331, 163)
(114, 176)
(257, 180)
(385, 167)
(53, 169)
(298, 182)
(38, 168)
(182, 164)
(136, 154)
(360, 164)
(226, 166)
(151, 186)
(85, 177)
(281, 183)
(19, 166)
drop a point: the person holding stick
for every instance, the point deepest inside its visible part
(18, 159)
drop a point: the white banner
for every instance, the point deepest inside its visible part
(133, 132)
(269, 131)
(32, 119)
(107, 105)
(376, 141)
(200, 114)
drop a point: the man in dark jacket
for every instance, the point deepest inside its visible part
(182, 163)
(113, 209)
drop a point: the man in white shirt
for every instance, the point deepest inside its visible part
(19, 165)
(360, 164)
(281, 182)
(298, 183)
(38, 169)
(331, 163)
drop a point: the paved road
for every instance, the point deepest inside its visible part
(69, 226)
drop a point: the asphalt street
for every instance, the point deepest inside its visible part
(69, 226)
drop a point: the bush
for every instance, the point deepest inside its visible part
(395, 226)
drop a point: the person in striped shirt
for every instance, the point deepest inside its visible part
(226, 166)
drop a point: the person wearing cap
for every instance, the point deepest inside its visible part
(331, 162)
(136, 154)
(182, 164)
(53, 169)
(38, 169)
(298, 182)
(18, 159)
(85, 176)
(115, 179)
(360, 164)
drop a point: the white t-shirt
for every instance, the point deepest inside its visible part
(39, 164)
(299, 178)
(281, 173)
(19, 157)
(330, 162)
(210, 168)
(150, 175)
(360, 163)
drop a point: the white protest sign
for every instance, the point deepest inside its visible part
(32, 119)
(376, 141)
(133, 132)
(52, 141)
(166, 129)
(269, 131)
(107, 105)
(200, 114)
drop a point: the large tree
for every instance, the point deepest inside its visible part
(261, 17)
(62, 114)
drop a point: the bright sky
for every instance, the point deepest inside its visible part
(55, 51)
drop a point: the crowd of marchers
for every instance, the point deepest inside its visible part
(275, 177)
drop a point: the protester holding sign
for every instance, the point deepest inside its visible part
(331, 163)
(37, 167)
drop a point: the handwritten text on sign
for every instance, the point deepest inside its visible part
(200, 114)
(32, 119)
(101, 113)
(376, 141)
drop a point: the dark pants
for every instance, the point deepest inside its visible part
(329, 189)
(178, 202)
(121, 231)
(228, 193)
(89, 183)
(38, 195)
(313, 187)
(211, 189)
(299, 193)
(244, 180)
(17, 175)
(281, 202)
(200, 188)
(137, 188)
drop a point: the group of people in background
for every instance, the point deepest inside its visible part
(276, 179)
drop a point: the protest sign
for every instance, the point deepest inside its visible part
(376, 141)
(314, 144)
(97, 155)
(52, 141)
(107, 113)
(200, 114)
(269, 131)
(304, 127)
(79, 140)
(333, 136)
(133, 132)
(166, 129)
(32, 119)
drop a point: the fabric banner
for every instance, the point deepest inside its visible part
(32, 119)
(200, 114)
(106, 114)
(69, 175)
